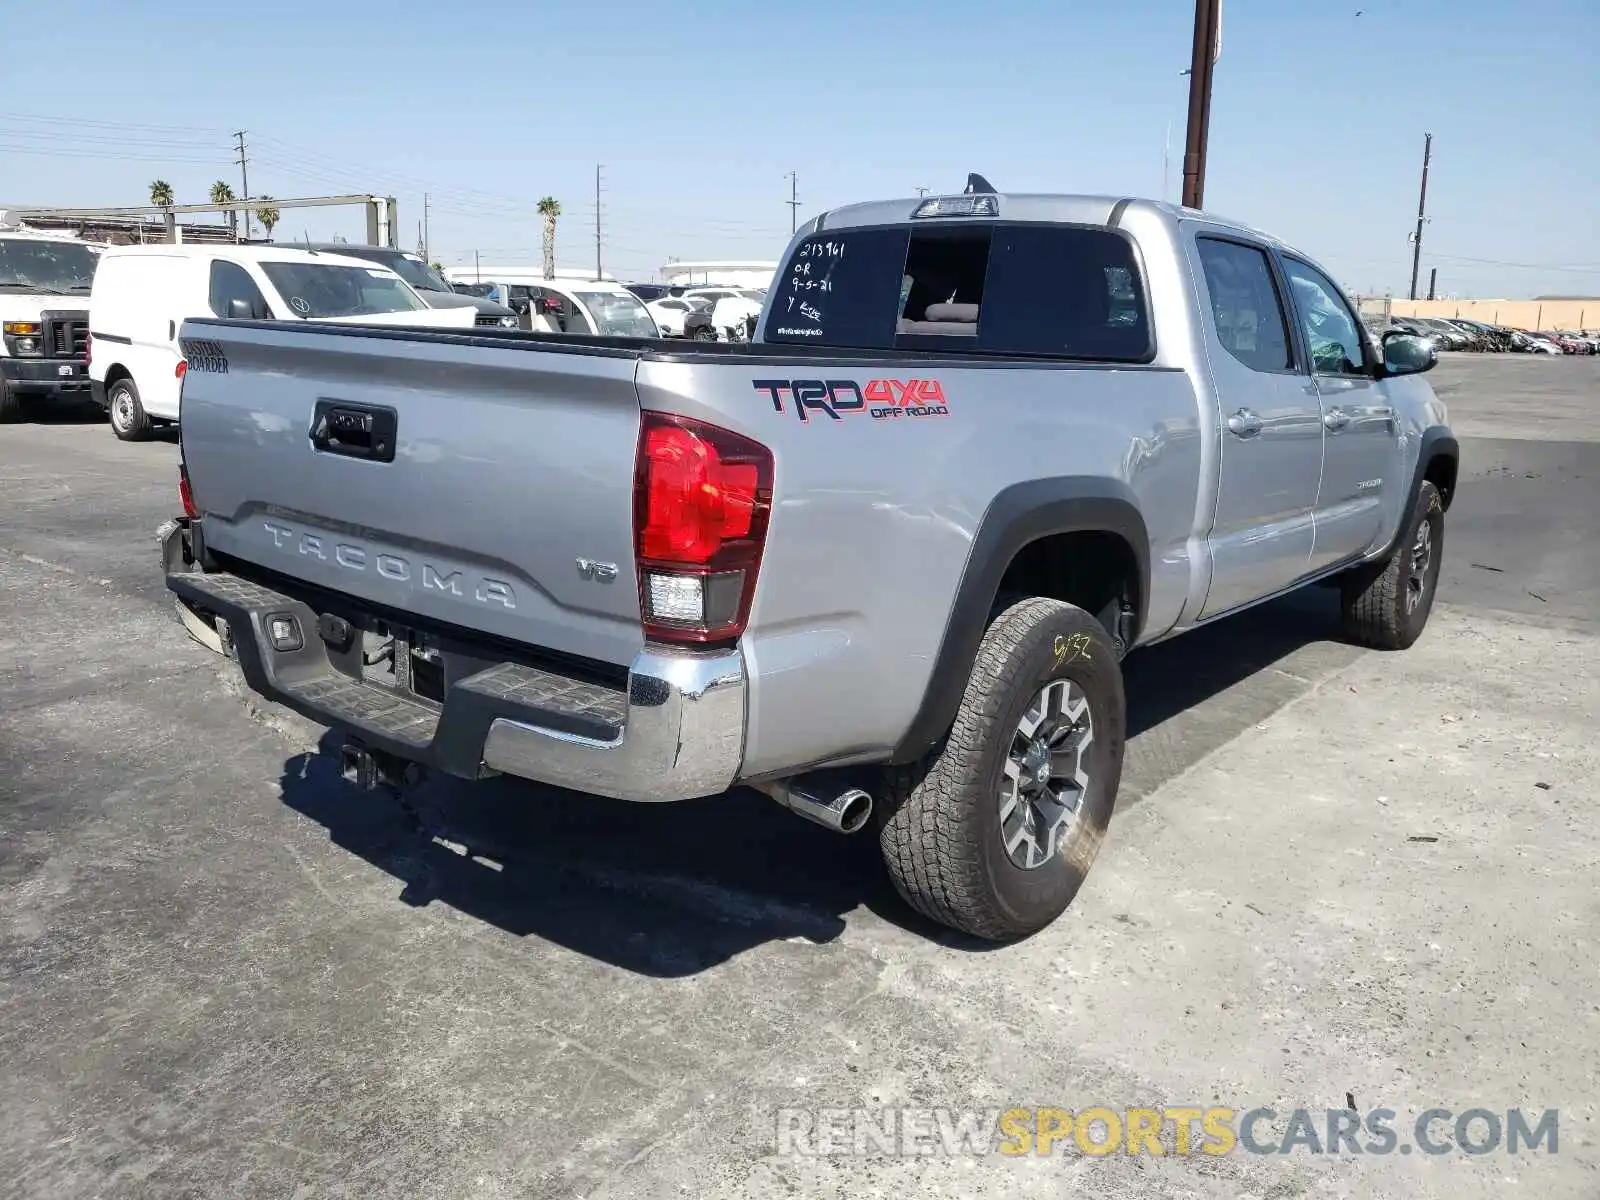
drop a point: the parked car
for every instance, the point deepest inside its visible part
(1536, 343)
(734, 311)
(143, 294)
(853, 565)
(1479, 337)
(435, 290)
(683, 316)
(650, 292)
(1447, 336)
(44, 318)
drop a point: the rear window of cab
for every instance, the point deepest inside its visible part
(1057, 291)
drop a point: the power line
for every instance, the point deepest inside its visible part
(41, 118)
(1493, 262)
(111, 155)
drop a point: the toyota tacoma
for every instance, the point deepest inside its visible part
(882, 563)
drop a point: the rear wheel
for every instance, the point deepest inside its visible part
(128, 418)
(10, 405)
(1386, 605)
(704, 333)
(994, 831)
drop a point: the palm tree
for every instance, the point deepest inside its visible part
(549, 209)
(161, 194)
(221, 193)
(265, 213)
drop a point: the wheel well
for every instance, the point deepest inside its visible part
(1441, 472)
(1093, 569)
(117, 372)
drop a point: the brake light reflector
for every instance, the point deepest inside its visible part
(701, 500)
(186, 495)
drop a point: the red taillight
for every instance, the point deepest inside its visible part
(181, 369)
(186, 495)
(701, 499)
(88, 349)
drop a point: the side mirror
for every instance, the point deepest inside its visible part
(239, 309)
(1407, 354)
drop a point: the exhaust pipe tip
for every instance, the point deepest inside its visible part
(855, 810)
(841, 807)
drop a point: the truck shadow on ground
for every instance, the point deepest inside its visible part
(674, 889)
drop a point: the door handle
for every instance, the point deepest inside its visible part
(1335, 419)
(354, 430)
(1244, 423)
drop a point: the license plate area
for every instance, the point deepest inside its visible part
(403, 660)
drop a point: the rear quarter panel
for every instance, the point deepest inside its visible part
(873, 520)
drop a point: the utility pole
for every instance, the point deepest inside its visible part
(426, 254)
(244, 180)
(477, 271)
(1422, 209)
(921, 192)
(1207, 45)
(598, 273)
(1166, 164)
(793, 201)
(1433, 283)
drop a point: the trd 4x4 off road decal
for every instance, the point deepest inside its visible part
(881, 399)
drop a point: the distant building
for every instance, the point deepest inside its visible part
(723, 274)
(1567, 312)
(126, 231)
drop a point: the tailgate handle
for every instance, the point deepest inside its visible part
(354, 430)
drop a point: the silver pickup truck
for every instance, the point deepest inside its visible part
(882, 563)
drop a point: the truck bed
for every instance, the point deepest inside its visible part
(507, 510)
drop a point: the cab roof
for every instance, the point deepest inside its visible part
(1048, 208)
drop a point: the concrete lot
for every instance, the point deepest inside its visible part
(1336, 877)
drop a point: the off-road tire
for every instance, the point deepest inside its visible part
(940, 824)
(703, 333)
(135, 425)
(10, 405)
(1373, 598)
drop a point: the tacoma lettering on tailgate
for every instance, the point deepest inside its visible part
(424, 575)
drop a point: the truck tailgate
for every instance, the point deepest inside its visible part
(501, 502)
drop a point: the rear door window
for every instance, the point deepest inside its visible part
(1246, 310)
(1018, 290)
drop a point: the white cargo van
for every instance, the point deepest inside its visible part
(44, 301)
(142, 295)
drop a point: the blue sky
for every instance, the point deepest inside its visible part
(699, 111)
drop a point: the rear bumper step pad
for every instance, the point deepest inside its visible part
(676, 732)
